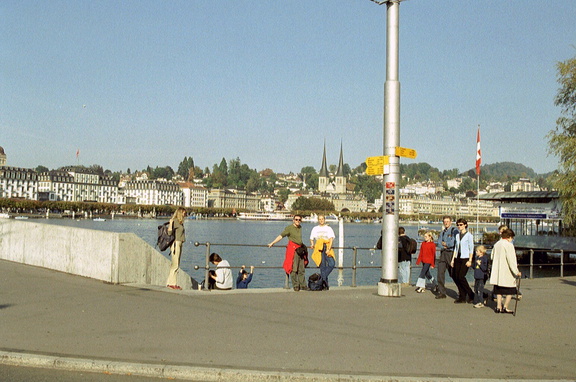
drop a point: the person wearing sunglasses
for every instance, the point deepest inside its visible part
(461, 261)
(293, 264)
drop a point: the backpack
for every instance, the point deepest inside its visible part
(164, 240)
(413, 247)
(315, 282)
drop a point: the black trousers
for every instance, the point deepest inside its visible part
(459, 276)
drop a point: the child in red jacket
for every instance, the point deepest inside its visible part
(426, 256)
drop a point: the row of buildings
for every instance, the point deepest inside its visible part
(76, 184)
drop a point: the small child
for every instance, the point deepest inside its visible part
(427, 257)
(480, 266)
(244, 277)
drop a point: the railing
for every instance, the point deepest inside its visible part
(354, 266)
(562, 263)
(354, 257)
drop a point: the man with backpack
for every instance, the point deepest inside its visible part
(404, 257)
(446, 242)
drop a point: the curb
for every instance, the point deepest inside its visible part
(203, 373)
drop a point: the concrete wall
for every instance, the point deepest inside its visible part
(118, 258)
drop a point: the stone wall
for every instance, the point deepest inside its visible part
(118, 258)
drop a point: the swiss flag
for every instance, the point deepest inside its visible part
(478, 153)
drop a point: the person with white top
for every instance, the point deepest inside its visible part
(223, 275)
(321, 240)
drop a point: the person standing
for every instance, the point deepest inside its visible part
(461, 261)
(293, 264)
(446, 242)
(427, 256)
(176, 227)
(504, 270)
(404, 257)
(480, 268)
(321, 240)
(223, 275)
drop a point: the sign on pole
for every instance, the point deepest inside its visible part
(378, 165)
(406, 153)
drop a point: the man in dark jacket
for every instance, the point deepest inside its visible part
(404, 258)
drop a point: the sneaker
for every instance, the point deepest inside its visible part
(479, 305)
(440, 296)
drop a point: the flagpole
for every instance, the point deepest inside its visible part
(478, 163)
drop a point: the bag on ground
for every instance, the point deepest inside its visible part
(315, 282)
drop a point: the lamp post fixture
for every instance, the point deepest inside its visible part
(388, 285)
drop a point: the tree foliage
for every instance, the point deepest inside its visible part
(562, 140)
(312, 204)
(184, 169)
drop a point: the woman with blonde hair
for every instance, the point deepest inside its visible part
(176, 226)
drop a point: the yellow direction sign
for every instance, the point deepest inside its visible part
(405, 152)
(377, 161)
(377, 165)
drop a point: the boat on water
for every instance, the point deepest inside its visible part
(21, 217)
(314, 218)
(265, 216)
(4, 215)
(99, 219)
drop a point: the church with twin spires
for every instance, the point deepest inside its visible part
(339, 184)
(334, 190)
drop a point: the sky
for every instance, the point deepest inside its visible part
(130, 84)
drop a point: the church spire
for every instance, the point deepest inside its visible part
(324, 168)
(340, 171)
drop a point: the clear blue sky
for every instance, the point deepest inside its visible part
(138, 83)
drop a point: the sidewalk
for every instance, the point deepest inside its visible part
(52, 319)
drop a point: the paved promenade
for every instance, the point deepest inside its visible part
(52, 319)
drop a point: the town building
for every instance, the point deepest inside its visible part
(194, 195)
(75, 184)
(237, 199)
(16, 182)
(2, 157)
(153, 192)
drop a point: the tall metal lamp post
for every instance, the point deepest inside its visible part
(388, 285)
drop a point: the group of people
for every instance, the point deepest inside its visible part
(221, 278)
(458, 255)
(295, 261)
(296, 255)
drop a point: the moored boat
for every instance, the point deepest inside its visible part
(265, 216)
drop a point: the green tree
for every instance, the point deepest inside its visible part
(184, 167)
(283, 194)
(42, 169)
(562, 140)
(368, 186)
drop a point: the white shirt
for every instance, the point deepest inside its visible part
(322, 232)
(223, 275)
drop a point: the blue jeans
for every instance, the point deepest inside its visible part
(404, 272)
(478, 290)
(326, 267)
(425, 274)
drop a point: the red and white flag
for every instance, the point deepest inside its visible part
(77, 153)
(478, 153)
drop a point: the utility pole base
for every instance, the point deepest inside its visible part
(389, 289)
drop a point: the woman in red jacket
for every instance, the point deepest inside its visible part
(426, 256)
